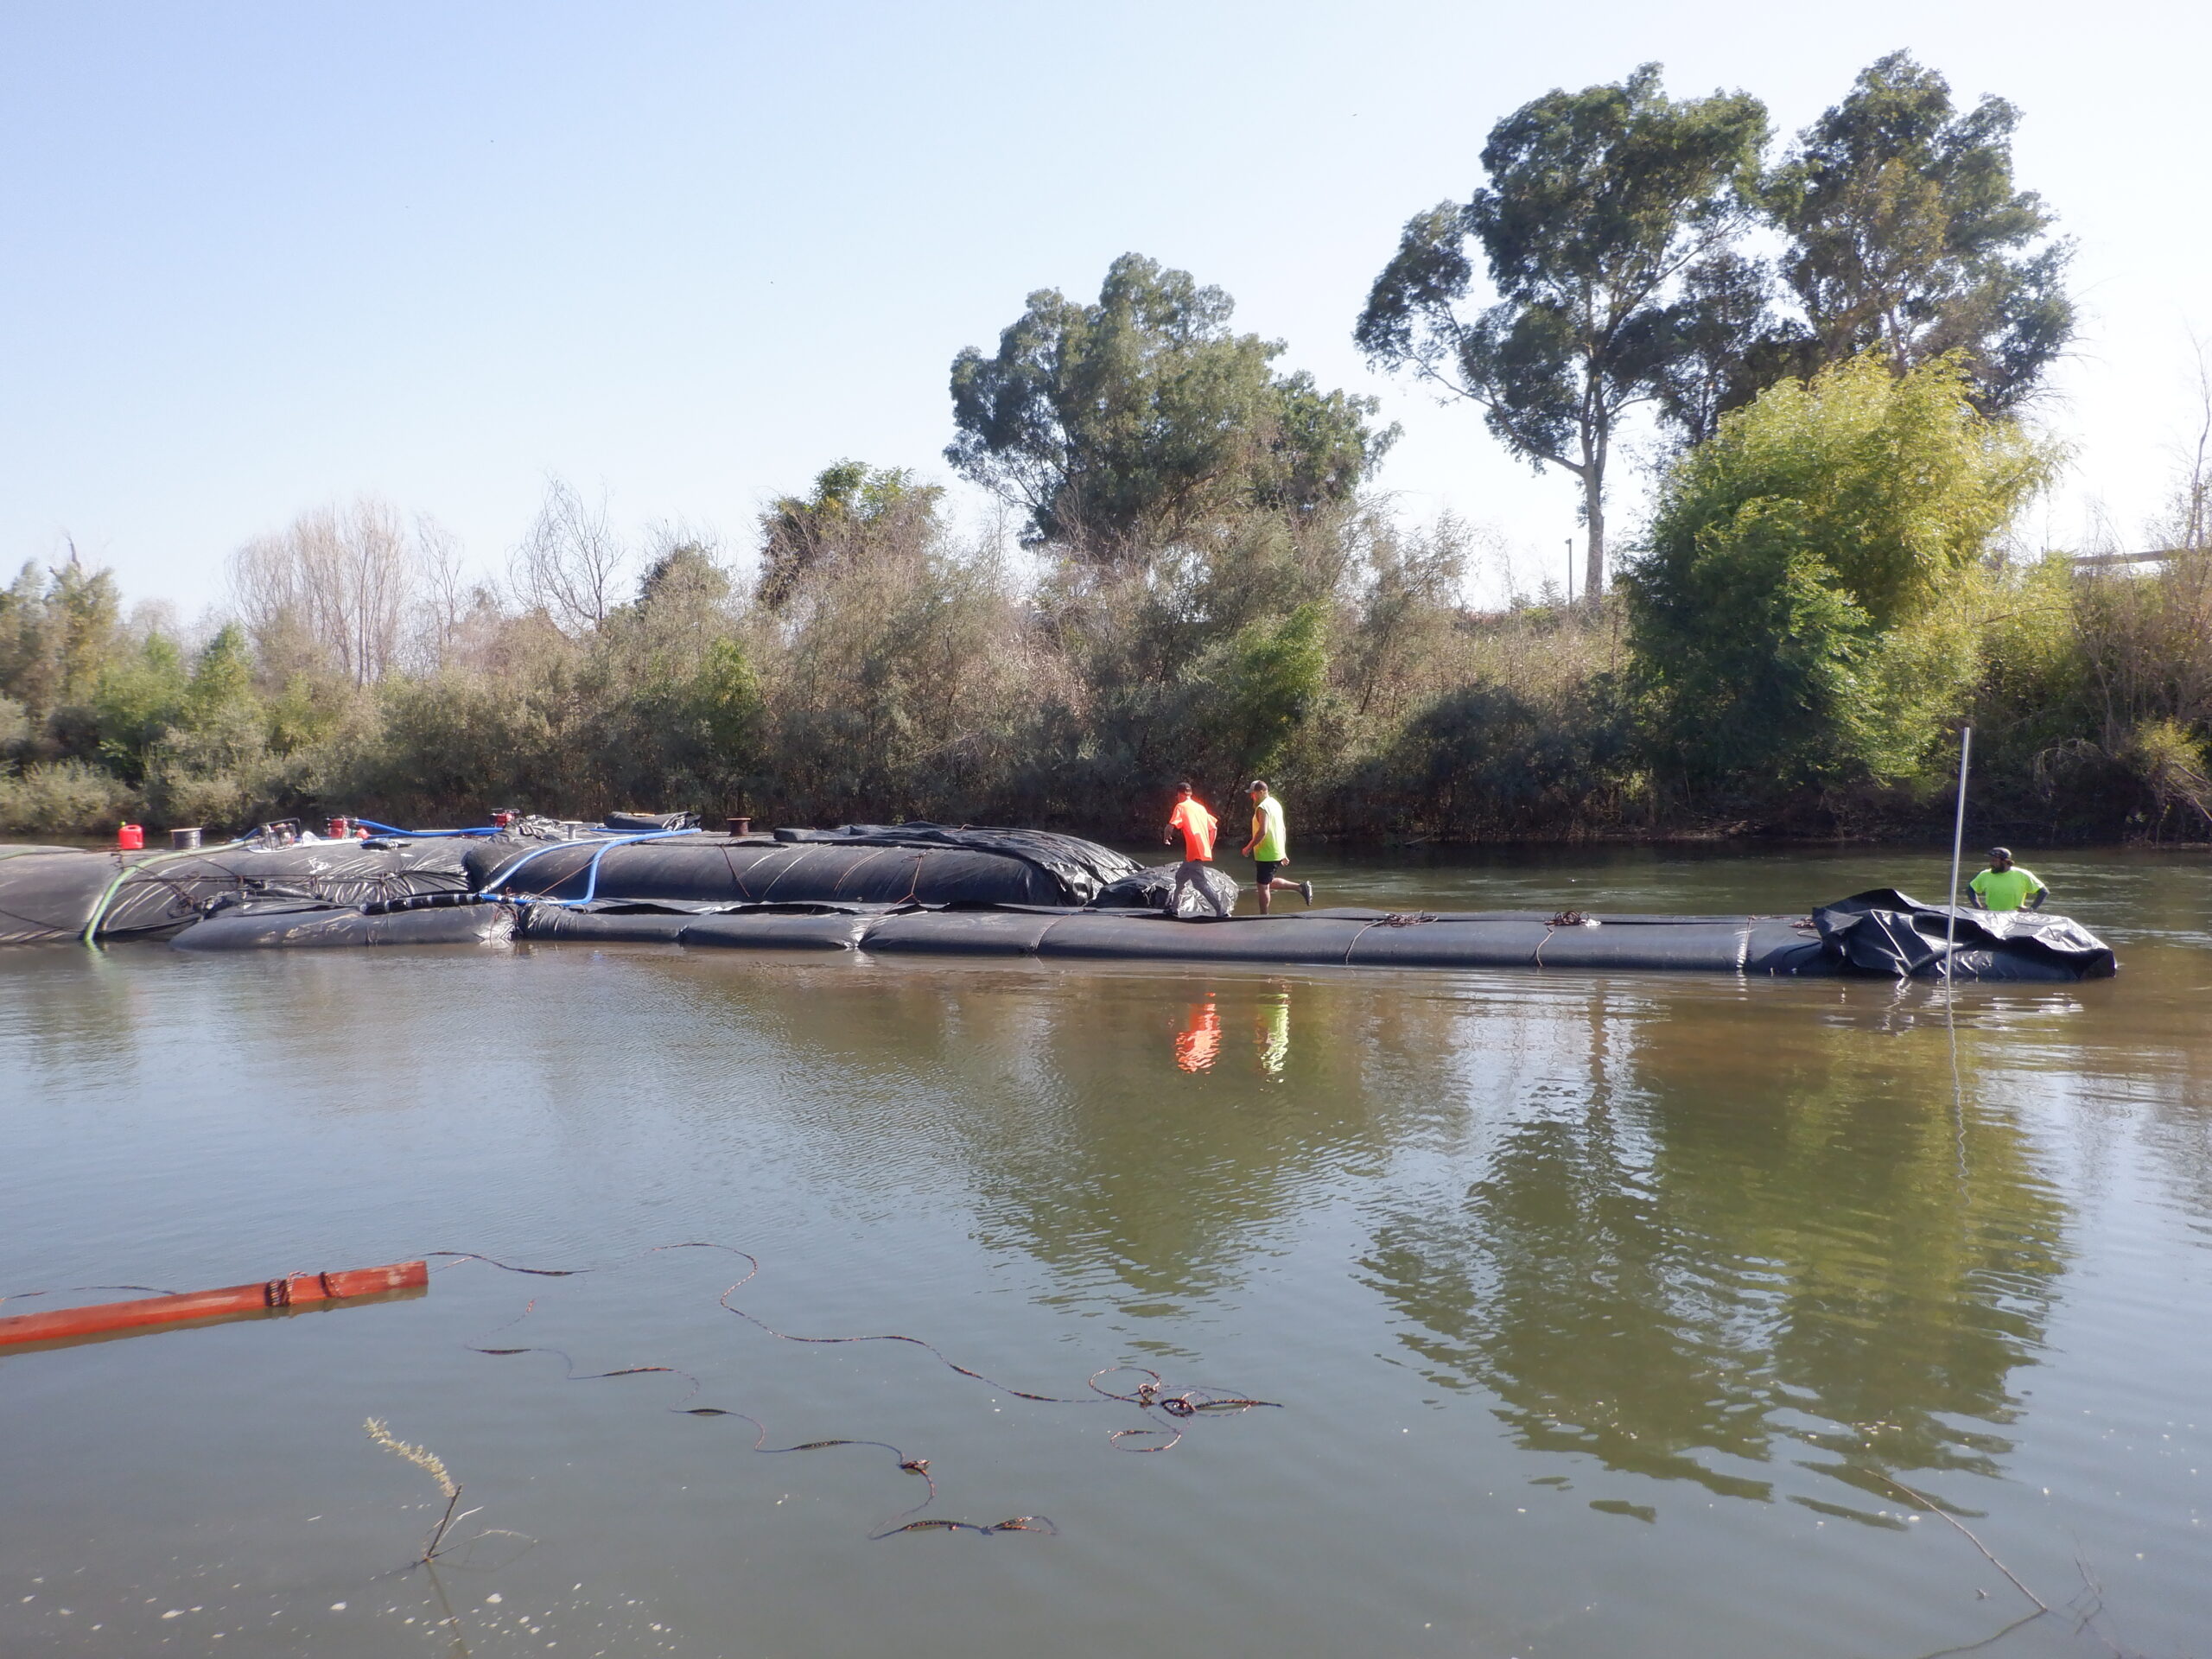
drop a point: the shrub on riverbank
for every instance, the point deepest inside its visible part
(1822, 601)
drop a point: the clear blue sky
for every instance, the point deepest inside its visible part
(259, 258)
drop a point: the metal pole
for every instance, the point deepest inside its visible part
(1958, 844)
(1570, 570)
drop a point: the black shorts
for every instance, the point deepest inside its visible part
(1264, 869)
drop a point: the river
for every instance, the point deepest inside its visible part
(1636, 1316)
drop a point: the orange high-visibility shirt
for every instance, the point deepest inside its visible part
(1198, 826)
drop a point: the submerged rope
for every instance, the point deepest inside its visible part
(1150, 1395)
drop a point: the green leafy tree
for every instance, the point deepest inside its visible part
(56, 634)
(1725, 347)
(1138, 420)
(854, 510)
(1272, 682)
(1798, 620)
(1598, 204)
(140, 696)
(221, 687)
(1907, 233)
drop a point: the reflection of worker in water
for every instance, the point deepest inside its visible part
(1198, 1044)
(1198, 828)
(1275, 1033)
(2005, 886)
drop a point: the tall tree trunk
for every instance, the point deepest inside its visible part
(1593, 515)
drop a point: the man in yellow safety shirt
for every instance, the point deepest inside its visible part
(1269, 847)
(2005, 886)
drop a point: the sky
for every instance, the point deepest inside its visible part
(258, 259)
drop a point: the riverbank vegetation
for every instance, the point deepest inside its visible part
(1193, 577)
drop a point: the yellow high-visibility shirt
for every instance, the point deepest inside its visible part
(2006, 889)
(1271, 841)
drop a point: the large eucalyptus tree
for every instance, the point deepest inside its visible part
(1908, 236)
(1122, 426)
(1598, 204)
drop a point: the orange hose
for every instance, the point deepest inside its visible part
(289, 1292)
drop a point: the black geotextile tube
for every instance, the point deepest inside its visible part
(1758, 945)
(1765, 946)
(55, 895)
(250, 928)
(720, 869)
(50, 894)
(1079, 868)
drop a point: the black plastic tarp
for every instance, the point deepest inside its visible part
(1884, 932)
(725, 870)
(56, 894)
(1080, 867)
(1210, 890)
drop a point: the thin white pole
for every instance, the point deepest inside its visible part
(1958, 844)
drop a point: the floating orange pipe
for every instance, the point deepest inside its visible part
(291, 1291)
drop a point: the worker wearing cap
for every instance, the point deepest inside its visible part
(1269, 847)
(2005, 886)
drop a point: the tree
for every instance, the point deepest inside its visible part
(1796, 619)
(139, 698)
(56, 634)
(1598, 202)
(1136, 421)
(1726, 347)
(569, 566)
(335, 585)
(854, 510)
(1906, 232)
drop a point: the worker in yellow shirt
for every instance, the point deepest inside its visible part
(2005, 886)
(1269, 847)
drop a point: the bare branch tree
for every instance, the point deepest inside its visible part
(449, 595)
(571, 563)
(335, 586)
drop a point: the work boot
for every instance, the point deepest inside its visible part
(1306, 892)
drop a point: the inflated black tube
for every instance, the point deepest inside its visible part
(1311, 940)
(960, 933)
(1451, 941)
(719, 869)
(51, 894)
(772, 930)
(1881, 934)
(248, 930)
(618, 926)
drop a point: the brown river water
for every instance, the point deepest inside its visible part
(1628, 1316)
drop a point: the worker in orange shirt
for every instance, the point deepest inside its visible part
(1198, 828)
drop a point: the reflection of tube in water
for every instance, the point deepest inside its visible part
(1198, 1044)
(1274, 1033)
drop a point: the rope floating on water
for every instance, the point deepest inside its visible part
(1150, 1394)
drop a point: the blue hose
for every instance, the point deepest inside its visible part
(371, 825)
(591, 880)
